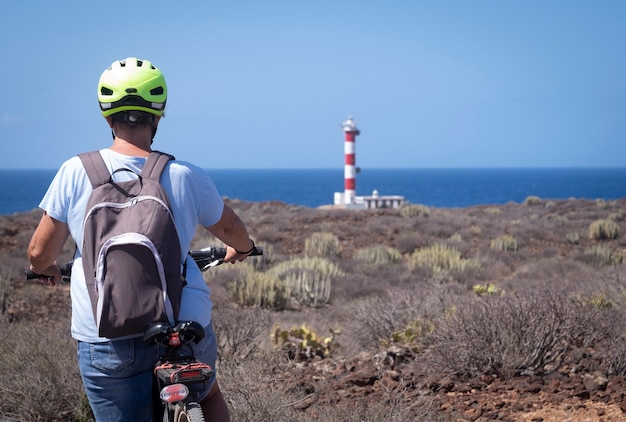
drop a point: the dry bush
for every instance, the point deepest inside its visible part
(407, 242)
(40, 378)
(395, 409)
(253, 389)
(240, 332)
(520, 333)
(360, 280)
(380, 319)
(614, 348)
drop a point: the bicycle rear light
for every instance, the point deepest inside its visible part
(171, 373)
(174, 393)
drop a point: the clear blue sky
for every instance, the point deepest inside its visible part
(266, 84)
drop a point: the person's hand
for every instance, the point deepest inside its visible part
(233, 256)
(51, 274)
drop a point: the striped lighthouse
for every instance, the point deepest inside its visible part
(351, 131)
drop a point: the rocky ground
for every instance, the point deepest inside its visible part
(573, 394)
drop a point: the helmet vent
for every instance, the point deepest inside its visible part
(157, 91)
(131, 90)
(139, 63)
(106, 91)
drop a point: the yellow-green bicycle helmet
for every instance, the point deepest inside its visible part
(132, 84)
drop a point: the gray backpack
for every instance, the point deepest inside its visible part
(131, 251)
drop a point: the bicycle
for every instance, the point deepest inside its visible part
(179, 378)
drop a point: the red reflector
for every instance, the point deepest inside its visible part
(174, 339)
(189, 374)
(173, 393)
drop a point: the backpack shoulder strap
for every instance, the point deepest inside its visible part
(155, 164)
(95, 167)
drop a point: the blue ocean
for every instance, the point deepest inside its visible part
(21, 190)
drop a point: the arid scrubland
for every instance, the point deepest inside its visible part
(431, 298)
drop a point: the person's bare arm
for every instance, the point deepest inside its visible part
(46, 245)
(233, 232)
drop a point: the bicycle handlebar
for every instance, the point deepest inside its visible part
(214, 256)
(206, 258)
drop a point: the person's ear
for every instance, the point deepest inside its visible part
(109, 120)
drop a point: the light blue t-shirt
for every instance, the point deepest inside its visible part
(194, 201)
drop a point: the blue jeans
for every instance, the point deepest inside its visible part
(117, 376)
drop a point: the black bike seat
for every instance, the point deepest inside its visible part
(157, 333)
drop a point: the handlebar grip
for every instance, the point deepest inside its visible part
(66, 272)
(213, 256)
(31, 275)
(258, 250)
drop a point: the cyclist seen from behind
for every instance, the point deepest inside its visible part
(117, 373)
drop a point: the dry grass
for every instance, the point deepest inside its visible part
(563, 289)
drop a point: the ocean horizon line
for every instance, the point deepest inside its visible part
(362, 168)
(439, 187)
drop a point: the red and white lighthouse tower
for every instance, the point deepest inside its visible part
(351, 131)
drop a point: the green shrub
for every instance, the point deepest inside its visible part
(378, 254)
(532, 200)
(308, 279)
(604, 229)
(263, 290)
(303, 343)
(557, 219)
(573, 238)
(506, 243)
(322, 244)
(493, 211)
(440, 257)
(487, 289)
(602, 255)
(413, 336)
(409, 211)
(598, 301)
